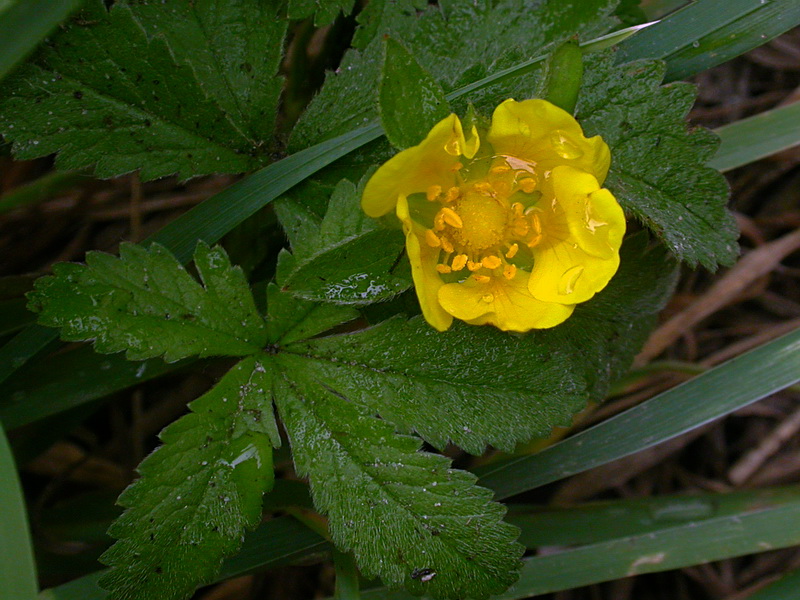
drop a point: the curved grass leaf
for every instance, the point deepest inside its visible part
(715, 393)
(148, 305)
(197, 493)
(406, 515)
(17, 568)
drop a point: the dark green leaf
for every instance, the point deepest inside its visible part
(198, 492)
(148, 305)
(410, 100)
(658, 171)
(406, 515)
(456, 41)
(174, 103)
(323, 11)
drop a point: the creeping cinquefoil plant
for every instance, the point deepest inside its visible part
(396, 280)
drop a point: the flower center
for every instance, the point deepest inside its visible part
(484, 221)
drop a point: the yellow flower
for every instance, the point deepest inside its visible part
(513, 230)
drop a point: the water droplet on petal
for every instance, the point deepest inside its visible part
(488, 298)
(566, 285)
(563, 146)
(590, 222)
(453, 147)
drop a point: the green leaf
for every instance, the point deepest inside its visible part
(410, 100)
(724, 389)
(323, 11)
(344, 258)
(657, 164)
(198, 492)
(17, 567)
(144, 104)
(477, 385)
(147, 304)
(406, 515)
(456, 41)
(23, 24)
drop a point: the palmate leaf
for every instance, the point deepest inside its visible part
(148, 305)
(198, 492)
(103, 92)
(658, 171)
(406, 515)
(474, 386)
(456, 41)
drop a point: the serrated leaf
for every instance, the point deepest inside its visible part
(410, 102)
(658, 171)
(456, 41)
(477, 385)
(197, 493)
(323, 11)
(141, 104)
(290, 319)
(406, 515)
(145, 303)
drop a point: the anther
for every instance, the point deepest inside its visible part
(527, 185)
(447, 245)
(452, 195)
(474, 266)
(499, 169)
(517, 208)
(443, 269)
(432, 239)
(459, 262)
(484, 187)
(457, 167)
(512, 251)
(434, 192)
(510, 271)
(451, 217)
(519, 227)
(482, 278)
(491, 261)
(438, 221)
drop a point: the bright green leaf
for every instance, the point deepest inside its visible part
(478, 385)
(406, 515)
(147, 304)
(143, 104)
(198, 492)
(410, 100)
(658, 171)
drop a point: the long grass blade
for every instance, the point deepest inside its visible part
(714, 394)
(17, 566)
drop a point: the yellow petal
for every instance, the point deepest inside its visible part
(418, 168)
(427, 280)
(540, 132)
(506, 304)
(595, 220)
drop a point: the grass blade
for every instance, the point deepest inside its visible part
(753, 138)
(24, 24)
(716, 393)
(17, 567)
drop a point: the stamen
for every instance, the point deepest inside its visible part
(491, 261)
(517, 208)
(443, 269)
(447, 245)
(438, 221)
(432, 239)
(452, 195)
(484, 187)
(434, 192)
(520, 227)
(499, 169)
(459, 262)
(451, 217)
(482, 278)
(474, 266)
(510, 271)
(512, 251)
(536, 233)
(527, 185)
(457, 167)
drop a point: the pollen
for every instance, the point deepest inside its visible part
(447, 245)
(452, 195)
(520, 227)
(512, 251)
(527, 185)
(433, 192)
(491, 262)
(474, 266)
(510, 271)
(443, 269)
(451, 217)
(459, 262)
(432, 239)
